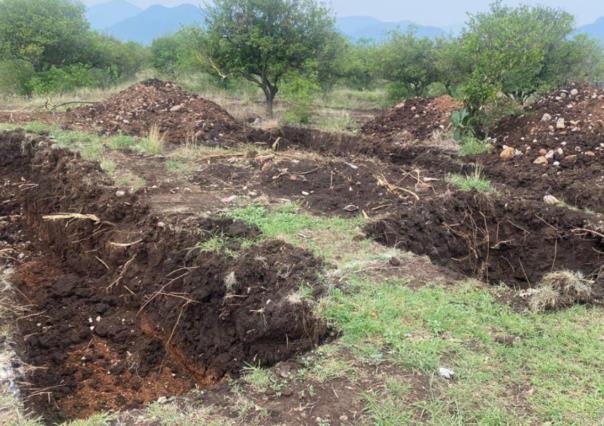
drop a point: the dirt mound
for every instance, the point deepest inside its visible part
(128, 307)
(413, 119)
(559, 143)
(512, 241)
(181, 116)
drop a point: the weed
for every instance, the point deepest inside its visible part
(100, 419)
(38, 127)
(122, 142)
(179, 166)
(471, 182)
(386, 407)
(340, 123)
(153, 143)
(259, 378)
(131, 181)
(109, 166)
(471, 146)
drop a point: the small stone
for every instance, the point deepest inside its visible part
(574, 92)
(176, 108)
(542, 151)
(305, 193)
(120, 193)
(394, 261)
(570, 158)
(507, 153)
(550, 154)
(561, 124)
(556, 163)
(162, 400)
(546, 117)
(551, 200)
(590, 153)
(541, 161)
(351, 208)
(446, 373)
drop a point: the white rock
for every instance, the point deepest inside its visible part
(546, 117)
(446, 373)
(574, 92)
(120, 193)
(550, 154)
(551, 200)
(561, 124)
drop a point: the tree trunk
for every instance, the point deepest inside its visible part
(270, 93)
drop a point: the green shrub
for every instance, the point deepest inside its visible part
(15, 76)
(470, 146)
(299, 91)
(60, 80)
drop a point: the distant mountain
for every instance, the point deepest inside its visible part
(360, 27)
(104, 15)
(156, 21)
(595, 30)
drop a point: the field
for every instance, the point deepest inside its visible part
(164, 261)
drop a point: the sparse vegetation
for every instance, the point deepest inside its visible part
(471, 146)
(153, 143)
(471, 182)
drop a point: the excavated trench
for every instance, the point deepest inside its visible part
(121, 307)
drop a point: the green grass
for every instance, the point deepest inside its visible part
(557, 360)
(471, 182)
(153, 143)
(329, 237)
(109, 166)
(471, 146)
(179, 166)
(122, 142)
(340, 123)
(130, 180)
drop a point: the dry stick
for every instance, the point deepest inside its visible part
(382, 181)
(124, 245)
(68, 216)
(122, 272)
(69, 103)
(102, 262)
(589, 231)
(157, 293)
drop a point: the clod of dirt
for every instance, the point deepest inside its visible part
(413, 119)
(558, 290)
(181, 117)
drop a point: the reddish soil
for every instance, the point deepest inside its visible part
(126, 309)
(182, 117)
(499, 240)
(413, 119)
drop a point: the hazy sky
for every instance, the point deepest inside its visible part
(426, 12)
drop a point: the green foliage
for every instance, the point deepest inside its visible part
(471, 146)
(264, 40)
(15, 75)
(299, 91)
(60, 80)
(409, 63)
(47, 47)
(471, 182)
(176, 53)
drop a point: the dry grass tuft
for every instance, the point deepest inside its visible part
(154, 142)
(558, 290)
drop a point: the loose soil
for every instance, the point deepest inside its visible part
(124, 308)
(182, 117)
(413, 119)
(498, 240)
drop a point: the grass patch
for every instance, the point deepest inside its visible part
(329, 237)
(179, 166)
(108, 166)
(340, 123)
(554, 364)
(153, 143)
(131, 181)
(471, 182)
(385, 406)
(471, 146)
(122, 142)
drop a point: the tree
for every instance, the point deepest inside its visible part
(264, 40)
(43, 33)
(409, 63)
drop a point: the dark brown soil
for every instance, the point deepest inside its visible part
(413, 119)
(182, 117)
(512, 241)
(127, 309)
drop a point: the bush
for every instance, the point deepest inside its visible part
(15, 76)
(299, 91)
(60, 80)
